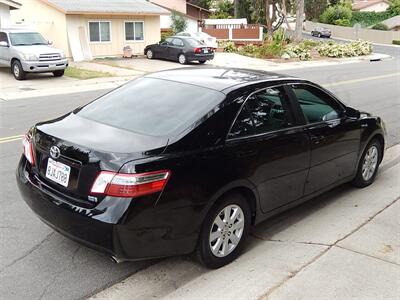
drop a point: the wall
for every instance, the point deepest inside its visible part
(179, 5)
(5, 20)
(375, 36)
(378, 7)
(115, 46)
(47, 20)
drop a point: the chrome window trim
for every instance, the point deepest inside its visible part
(241, 108)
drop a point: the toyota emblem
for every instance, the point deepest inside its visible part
(54, 152)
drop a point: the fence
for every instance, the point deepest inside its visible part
(235, 32)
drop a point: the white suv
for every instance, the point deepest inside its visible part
(28, 52)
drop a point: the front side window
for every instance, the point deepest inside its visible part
(100, 31)
(263, 112)
(134, 31)
(317, 106)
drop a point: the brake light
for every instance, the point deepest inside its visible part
(130, 185)
(197, 50)
(28, 149)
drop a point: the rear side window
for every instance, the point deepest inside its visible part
(317, 106)
(193, 42)
(263, 112)
(153, 106)
(177, 42)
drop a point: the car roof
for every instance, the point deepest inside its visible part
(217, 78)
(15, 30)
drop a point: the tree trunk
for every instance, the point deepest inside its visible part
(284, 13)
(236, 7)
(298, 33)
(268, 17)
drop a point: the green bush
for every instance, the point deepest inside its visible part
(368, 18)
(355, 48)
(342, 22)
(229, 47)
(396, 42)
(380, 26)
(166, 34)
(394, 8)
(300, 50)
(337, 12)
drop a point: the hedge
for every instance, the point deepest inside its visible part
(368, 18)
(396, 42)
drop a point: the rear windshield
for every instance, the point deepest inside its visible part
(153, 106)
(193, 42)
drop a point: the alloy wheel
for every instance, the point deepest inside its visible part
(16, 70)
(149, 54)
(182, 59)
(370, 162)
(226, 230)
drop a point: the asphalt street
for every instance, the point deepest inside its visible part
(37, 263)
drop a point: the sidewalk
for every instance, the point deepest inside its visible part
(343, 245)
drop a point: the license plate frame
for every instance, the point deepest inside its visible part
(52, 66)
(58, 172)
(205, 51)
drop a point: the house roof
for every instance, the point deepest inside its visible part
(358, 5)
(392, 22)
(140, 7)
(11, 3)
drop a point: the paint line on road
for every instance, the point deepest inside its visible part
(361, 79)
(11, 139)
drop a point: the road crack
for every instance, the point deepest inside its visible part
(30, 251)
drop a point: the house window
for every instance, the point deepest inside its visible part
(100, 31)
(134, 31)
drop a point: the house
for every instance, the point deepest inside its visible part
(370, 5)
(86, 28)
(5, 7)
(393, 23)
(193, 14)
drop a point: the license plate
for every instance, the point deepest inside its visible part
(205, 50)
(58, 172)
(53, 66)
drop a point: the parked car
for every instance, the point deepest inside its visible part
(203, 37)
(321, 32)
(187, 160)
(28, 52)
(182, 49)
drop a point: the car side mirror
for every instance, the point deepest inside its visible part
(50, 42)
(352, 113)
(3, 44)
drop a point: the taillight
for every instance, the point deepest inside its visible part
(28, 149)
(129, 185)
(197, 50)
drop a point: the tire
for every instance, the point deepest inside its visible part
(58, 73)
(369, 164)
(223, 236)
(182, 59)
(150, 54)
(202, 62)
(17, 70)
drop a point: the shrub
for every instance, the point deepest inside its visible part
(300, 50)
(179, 23)
(337, 12)
(396, 42)
(355, 48)
(270, 50)
(394, 8)
(368, 18)
(342, 22)
(166, 34)
(229, 47)
(278, 36)
(380, 26)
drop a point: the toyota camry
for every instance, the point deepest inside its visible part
(187, 161)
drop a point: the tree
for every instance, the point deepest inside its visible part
(202, 3)
(298, 33)
(394, 8)
(314, 8)
(178, 22)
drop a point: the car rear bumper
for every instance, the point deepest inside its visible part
(192, 57)
(44, 66)
(116, 227)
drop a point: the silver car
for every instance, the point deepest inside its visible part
(27, 51)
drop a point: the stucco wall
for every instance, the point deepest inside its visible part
(378, 7)
(375, 36)
(50, 22)
(115, 46)
(5, 20)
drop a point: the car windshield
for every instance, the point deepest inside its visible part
(27, 39)
(152, 106)
(194, 42)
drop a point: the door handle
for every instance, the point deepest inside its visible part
(317, 139)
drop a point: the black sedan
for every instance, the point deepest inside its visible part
(180, 48)
(185, 161)
(321, 32)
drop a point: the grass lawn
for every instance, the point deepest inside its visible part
(85, 74)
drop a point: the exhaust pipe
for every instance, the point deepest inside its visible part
(115, 259)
